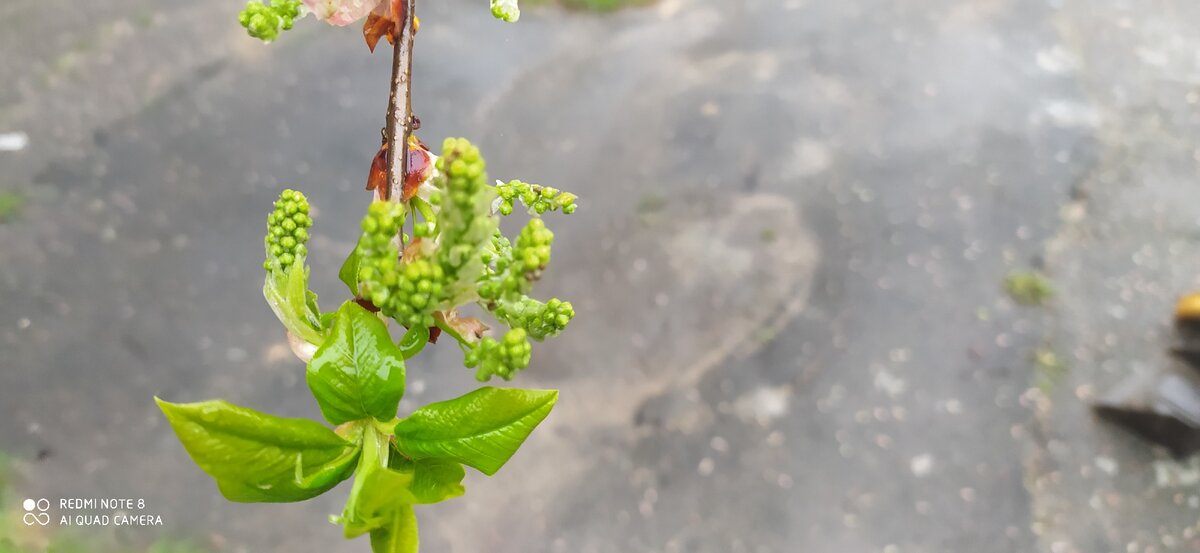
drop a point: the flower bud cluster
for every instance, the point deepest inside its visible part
(514, 267)
(540, 320)
(539, 199)
(501, 358)
(407, 292)
(287, 231)
(506, 10)
(264, 22)
(465, 224)
(531, 253)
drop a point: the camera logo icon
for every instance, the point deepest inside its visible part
(35, 512)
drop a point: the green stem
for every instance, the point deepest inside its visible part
(385, 429)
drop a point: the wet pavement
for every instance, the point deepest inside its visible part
(797, 216)
(1128, 245)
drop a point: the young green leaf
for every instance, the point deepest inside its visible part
(434, 480)
(385, 481)
(286, 291)
(377, 491)
(414, 341)
(358, 372)
(348, 274)
(482, 429)
(299, 297)
(399, 535)
(256, 457)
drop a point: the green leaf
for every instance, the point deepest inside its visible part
(387, 485)
(414, 341)
(256, 457)
(298, 297)
(434, 480)
(358, 372)
(294, 305)
(399, 536)
(482, 429)
(349, 272)
(377, 492)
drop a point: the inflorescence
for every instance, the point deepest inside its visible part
(265, 22)
(539, 199)
(456, 256)
(287, 231)
(502, 358)
(407, 292)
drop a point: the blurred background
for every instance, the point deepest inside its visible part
(846, 272)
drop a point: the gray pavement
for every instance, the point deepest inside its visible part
(796, 218)
(1128, 247)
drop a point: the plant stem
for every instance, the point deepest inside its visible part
(399, 115)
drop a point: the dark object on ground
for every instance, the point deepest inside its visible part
(1187, 324)
(1163, 408)
(1189, 354)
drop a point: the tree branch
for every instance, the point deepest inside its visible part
(399, 115)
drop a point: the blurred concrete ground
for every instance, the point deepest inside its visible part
(796, 219)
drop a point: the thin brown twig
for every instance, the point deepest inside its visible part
(399, 114)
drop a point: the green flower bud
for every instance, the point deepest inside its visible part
(539, 320)
(286, 284)
(465, 224)
(287, 231)
(516, 267)
(407, 292)
(425, 230)
(503, 358)
(264, 22)
(539, 199)
(533, 246)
